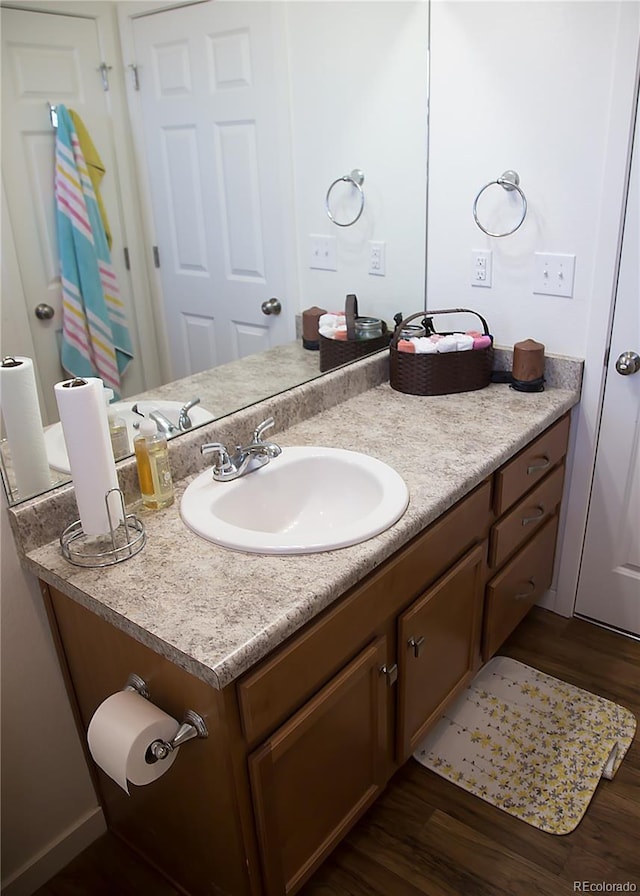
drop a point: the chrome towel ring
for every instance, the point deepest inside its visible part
(509, 181)
(356, 178)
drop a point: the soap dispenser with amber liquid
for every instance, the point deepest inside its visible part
(152, 461)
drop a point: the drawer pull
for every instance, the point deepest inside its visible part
(391, 673)
(416, 643)
(539, 513)
(523, 595)
(541, 465)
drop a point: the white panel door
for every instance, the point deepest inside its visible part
(49, 58)
(210, 122)
(609, 584)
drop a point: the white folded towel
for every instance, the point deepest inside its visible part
(330, 319)
(330, 332)
(464, 342)
(423, 345)
(332, 323)
(448, 344)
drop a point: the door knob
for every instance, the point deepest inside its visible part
(271, 306)
(44, 311)
(628, 363)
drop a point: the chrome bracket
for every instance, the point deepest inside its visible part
(104, 70)
(193, 725)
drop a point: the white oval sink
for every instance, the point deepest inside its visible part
(304, 501)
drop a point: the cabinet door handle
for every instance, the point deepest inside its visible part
(539, 513)
(523, 595)
(391, 673)
(416, 643)
(542, 464)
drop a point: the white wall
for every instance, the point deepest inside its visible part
(372, 79)
(523, 85)
(49, 807)
(545, 88)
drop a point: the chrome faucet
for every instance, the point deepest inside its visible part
(162, 422)
(184, 420)
(253, 456)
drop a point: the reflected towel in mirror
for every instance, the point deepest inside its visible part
(95, 337)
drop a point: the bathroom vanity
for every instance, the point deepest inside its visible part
(317, 675)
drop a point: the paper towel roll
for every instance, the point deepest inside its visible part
(120, 732)
(85, 426)
(23, 426)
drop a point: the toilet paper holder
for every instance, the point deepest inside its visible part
(193, 725)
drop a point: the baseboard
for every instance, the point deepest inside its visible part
(550, 600)
(59, 853)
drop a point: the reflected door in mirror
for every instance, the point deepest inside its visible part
(49, 58)
(209, 99)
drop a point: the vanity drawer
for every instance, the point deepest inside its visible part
(529, 466)
(515, 589)
(294, 672)
(526, 518)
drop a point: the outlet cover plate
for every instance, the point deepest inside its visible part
(481, 267)
(377, 261)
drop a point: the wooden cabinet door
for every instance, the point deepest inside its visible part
(317, 774)
(438, 648)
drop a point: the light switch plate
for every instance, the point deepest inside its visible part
(323, 252)
(553, 274)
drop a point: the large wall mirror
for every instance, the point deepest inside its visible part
(224, 126)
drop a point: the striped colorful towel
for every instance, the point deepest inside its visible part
(95, 338)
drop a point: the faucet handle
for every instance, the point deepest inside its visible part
(262, 428)
(184, 420)
(222, 461)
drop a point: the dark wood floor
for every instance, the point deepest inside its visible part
(426, 837)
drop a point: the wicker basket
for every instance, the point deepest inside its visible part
(334, 352)
(439, 374)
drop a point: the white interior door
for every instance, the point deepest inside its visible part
(211, 123)
(609, 583)
(48, 58)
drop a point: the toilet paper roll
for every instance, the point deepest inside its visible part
(85, 426)
(23, 426)
(121, 731)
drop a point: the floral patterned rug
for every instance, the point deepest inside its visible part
(530, 744)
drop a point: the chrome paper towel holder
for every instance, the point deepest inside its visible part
(122, 542)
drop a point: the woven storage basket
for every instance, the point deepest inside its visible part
(334, 352)
(439, 374)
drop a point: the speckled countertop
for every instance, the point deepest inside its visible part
(215, 612)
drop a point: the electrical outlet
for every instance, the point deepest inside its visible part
(323, 252)
(481, 265)
(553, 274)
(376, 258)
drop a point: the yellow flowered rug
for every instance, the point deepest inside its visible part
(530, 744)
